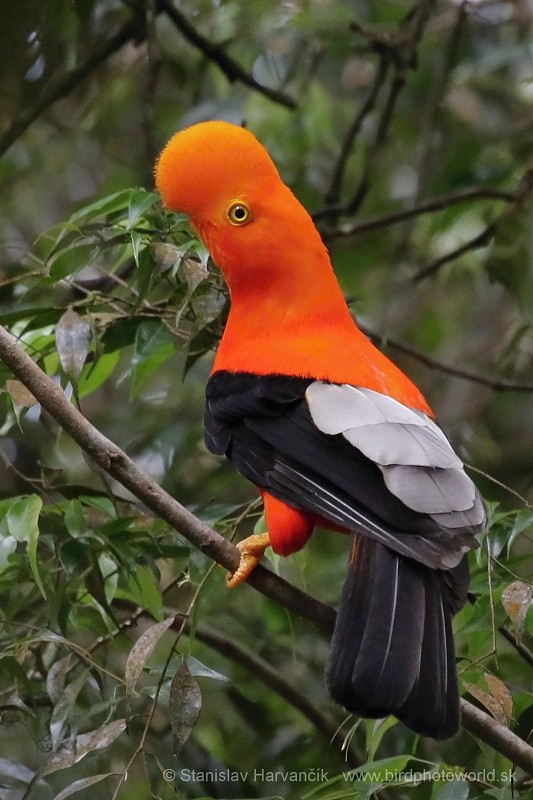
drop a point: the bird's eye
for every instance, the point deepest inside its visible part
(238, 213)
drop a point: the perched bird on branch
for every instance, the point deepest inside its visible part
(331, 432)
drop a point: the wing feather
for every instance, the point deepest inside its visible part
(418, 463)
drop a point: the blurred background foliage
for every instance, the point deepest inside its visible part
(407, 131)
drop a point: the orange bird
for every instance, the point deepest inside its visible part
(331, 433)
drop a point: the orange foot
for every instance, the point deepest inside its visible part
(251, 549)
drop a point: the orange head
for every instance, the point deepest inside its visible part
(206, 166)
(252, 224)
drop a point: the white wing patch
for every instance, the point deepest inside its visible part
(411, 444)
(336, 409)
(431, 491)
(418, 463)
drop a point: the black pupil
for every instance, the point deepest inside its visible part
(239, 212)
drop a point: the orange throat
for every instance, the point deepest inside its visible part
(326, 345)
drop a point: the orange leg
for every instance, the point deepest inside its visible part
(251, 549)
(289, 529)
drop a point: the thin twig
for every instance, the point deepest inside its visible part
(425, 207)
(257, 666)
(334, 190)
(434, 106)
(122, 468)
(64, 84)
(179, 626)
(497, 384)
(520, 648)
(402, 41)
(215, 53)
(153, 63)
(384, 122)
(254, 664)
(400, 49)
(483, 238)
(496, 482)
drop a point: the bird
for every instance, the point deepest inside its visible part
(331, 432)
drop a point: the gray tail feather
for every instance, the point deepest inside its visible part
(392, 650)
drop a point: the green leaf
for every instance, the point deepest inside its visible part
(198, 669)
(110, 573)
(144, 590)
(384, 770)
(146, 267)
(23, 523)
(200, 344)
(97, 373)
(100, 502)
(140, 202)
(71, 259)
(153, 346)
(75, 518)
(121, 334)
(523, 521)
(11, 670)
(8, 545)
(452, 790)
(110, 204)
(377, 731)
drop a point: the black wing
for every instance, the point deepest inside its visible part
(264, 425)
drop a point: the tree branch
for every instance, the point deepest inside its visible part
(497, 736)
(134, 29)
(231, 69)
(64, 84)
(119, 466)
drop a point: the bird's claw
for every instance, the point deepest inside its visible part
(251, 550)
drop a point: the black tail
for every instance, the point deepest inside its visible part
(392, 650)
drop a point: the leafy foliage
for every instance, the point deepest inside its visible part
(126, 667)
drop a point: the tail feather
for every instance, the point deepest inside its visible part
(392, 650)
(433, 706)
